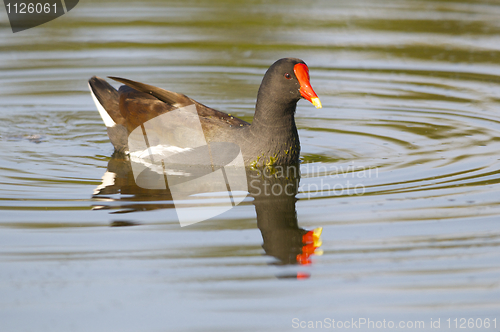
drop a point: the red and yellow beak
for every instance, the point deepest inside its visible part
(306, 91)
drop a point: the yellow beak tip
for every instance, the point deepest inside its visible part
(316, 102)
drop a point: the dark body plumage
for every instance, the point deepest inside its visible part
(272, 138)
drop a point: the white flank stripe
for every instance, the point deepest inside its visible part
(160, 150)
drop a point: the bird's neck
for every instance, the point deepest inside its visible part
(275, 133)
(274, 119)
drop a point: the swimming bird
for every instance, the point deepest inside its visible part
(271, 139)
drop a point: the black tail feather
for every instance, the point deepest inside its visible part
(108, 97)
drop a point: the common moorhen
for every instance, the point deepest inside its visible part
(271, 139)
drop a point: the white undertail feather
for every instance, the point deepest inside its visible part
(104, 115)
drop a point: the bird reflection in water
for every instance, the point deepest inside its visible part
(273, 190)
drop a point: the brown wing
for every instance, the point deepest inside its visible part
(141, 102)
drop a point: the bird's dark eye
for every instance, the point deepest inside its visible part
(288, 76)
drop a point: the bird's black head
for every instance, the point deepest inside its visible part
(286, 81)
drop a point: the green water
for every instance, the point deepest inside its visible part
(410, 90)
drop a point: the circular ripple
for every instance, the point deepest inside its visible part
(404, 134)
